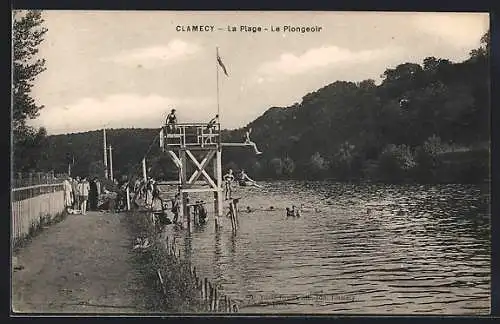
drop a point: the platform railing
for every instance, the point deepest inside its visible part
(190, 135)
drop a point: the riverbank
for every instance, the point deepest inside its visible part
(84, 264)
(179, 290)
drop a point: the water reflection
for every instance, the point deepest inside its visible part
(368, 248)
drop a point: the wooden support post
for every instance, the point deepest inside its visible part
(144, 170)
(211, 296)
(162, 140)
(216, 299)
(219, 180)
(231, 216)
(183, 181)
(128, 197)
(188, 215)
(235, 207)
(111, 162)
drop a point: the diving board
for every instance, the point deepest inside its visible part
(236, 144)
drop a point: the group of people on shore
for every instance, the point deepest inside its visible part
(80, 194)
(149, 192)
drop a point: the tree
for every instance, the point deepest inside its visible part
(484, 49)
(276, 167)
(27, 35)
(317, 165)
(288, 166)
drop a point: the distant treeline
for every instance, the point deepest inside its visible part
(425, 122)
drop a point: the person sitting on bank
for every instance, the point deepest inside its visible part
(248, 141)
(171, 121)
(228, 179)
(244, 178)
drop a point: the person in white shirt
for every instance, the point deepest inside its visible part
(68, 191)
(84, 188)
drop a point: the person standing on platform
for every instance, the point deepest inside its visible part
(171, 121)
(210, 127)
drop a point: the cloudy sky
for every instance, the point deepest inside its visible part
(128, 69)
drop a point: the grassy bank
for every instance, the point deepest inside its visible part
(178, 294)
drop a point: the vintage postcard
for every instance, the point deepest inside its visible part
(248, 162)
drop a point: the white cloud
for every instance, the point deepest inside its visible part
(457, 29)
(154, 55)
(317, 58)
(122, 111)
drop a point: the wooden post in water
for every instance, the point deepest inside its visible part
(205, 290)
(218, 193)
(231, 215)
(236, 216)
(128, 197)
(216, 299)
(211, 297)
(188, 219)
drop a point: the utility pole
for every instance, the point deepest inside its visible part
(110, 162)
(105, 154)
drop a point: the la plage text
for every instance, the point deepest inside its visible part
(248, 29)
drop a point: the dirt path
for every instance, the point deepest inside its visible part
(84, 264)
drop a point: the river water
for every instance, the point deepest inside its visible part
(356, 249)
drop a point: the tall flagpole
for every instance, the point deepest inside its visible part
(217, 67)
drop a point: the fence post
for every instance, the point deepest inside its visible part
(128, 198)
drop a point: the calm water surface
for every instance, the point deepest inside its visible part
(360, 249)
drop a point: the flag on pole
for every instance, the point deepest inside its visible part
(221, 64)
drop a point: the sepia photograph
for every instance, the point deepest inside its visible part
(250, 162)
